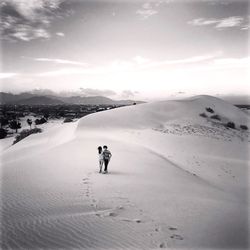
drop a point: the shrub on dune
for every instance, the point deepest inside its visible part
(243, 127)
(215, 117)
(203, 115)
(230, 125)
(40, 121)
(26, 132)
(68, 120)
(15, 125)
(3, 133)
(210, 110)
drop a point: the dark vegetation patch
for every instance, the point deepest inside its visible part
(26, 132)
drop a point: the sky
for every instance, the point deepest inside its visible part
(125, 48)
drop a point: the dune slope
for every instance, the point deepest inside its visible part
(176, 180)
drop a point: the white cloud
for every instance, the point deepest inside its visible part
(246, 27)
(199, 73)
(29, 8)
(233, 62)
(223, 23)
(128, 93)
(27, 20)
(202, 22)
(151, 8)
(96, 92)
(140, 59)
(147, 6)
(61, 34)
(61, 72)
(146, 13)
(222, 65)
(7, 75)
(230, 22)
(137, 63)
(190, 60)
(148, 9)
(61, 61)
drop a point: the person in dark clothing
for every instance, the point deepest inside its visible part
(106, 158)
(100, 156)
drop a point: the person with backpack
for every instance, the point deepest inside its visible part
(106, 158)
(100, 155)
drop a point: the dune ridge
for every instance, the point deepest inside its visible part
(164, 190)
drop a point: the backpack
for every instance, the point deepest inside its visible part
(106, 155)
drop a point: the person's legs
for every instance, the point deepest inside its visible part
(100, 165)
(106, 165)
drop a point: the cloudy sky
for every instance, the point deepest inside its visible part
(125, 48)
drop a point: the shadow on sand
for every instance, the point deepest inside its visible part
(112, 172)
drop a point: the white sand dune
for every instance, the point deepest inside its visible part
(171, 185)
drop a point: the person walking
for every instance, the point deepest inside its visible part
(106, 158)
(100, 155)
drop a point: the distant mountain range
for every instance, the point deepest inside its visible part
(33, 99)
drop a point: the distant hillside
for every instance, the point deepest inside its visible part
(6, 98)
(33, 99)
(94, 100)
(237, 99)
(39, 100)
(87, 100)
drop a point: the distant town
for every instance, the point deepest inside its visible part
(11, 115)
(22, 114)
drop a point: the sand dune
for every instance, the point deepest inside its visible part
(168, 187)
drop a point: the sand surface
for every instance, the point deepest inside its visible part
(170, 185)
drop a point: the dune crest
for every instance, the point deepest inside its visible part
(176, 180)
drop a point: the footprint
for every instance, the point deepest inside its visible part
(172, 228)
(112, 214)
(137, 220)
(131, 220)
(162, 245)
(176, 236)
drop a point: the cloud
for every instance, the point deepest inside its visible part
(222, 64)
(146, 13)
(202, 22)
(61, 61)
(148, 9)
(27, 20)
(79, 92)
(97, 92)
(128, 93)
(140, 60)
(230, 22)
(61, 34)
(7, 75)
(233, 62)
(61, 72)
(220, 24)
(40, 91)
(190, 60)
(135, 64)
